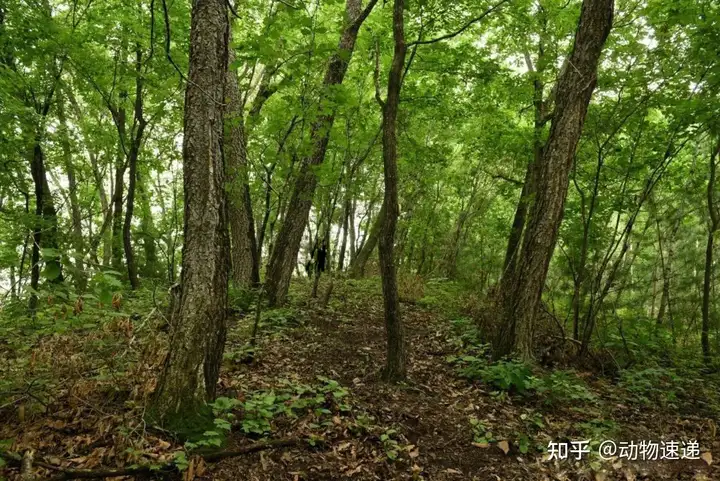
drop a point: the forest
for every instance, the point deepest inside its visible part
(359, 239)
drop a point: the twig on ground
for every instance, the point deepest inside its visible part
(16, 460)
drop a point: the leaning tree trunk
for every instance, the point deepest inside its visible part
(243, 249)
(284, 255)
(189, 377)
(396, 363)
(521, 288)
(357, 264)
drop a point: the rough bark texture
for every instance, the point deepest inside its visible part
(396, 363)
(243, 250)
(287, 245)
(522, 288)
(192, 366)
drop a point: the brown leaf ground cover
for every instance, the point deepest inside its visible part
(314, 378)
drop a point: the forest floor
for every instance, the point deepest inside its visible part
(315, 376)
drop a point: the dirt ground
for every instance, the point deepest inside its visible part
(374, 431)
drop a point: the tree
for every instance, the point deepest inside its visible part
(713, 226)
(521, 289)
(287, 245)
(396, 362)
(191, 369)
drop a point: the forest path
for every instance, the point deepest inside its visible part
(430, 417)
(429, 414)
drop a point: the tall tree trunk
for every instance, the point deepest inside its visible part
(139, 125)
(396, 362)
(77, 235)
(526, 195)
(284, 256)
(345, 225)
(189, 377)
(45, 231)
(522, 287)
(148, 233)
(243, 246)
(707, 280)
(117, 220)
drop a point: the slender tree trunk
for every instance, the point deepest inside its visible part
(287, 244)
(132, 160)
(192, 366)
(396, 362)
(358, 263)
(707, 280)
(522, 288)
(148, 233)
(77, 235)
(117, 220)
(526, 195)
(345, 224)
(45, 231)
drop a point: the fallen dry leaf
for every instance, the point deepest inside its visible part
(707, 457)
(504, 446)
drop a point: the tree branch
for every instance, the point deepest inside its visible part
(463, 28)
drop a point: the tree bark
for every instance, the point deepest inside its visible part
(522, 288)
(139, 125)
(396, 362)
(287, 245)
(243, 246)
(45, 232)
(192, 366)
(77, 235)
(707, 280)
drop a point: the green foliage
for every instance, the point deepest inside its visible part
(389, 444)
(560, 387)
(241, 299)
(556, 387)
(653, 385)
(481, 433)
(511, 376)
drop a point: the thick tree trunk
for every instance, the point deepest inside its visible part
(243, 246)
(396, 362)
(284, 256)
(192, 366)
(522, 288)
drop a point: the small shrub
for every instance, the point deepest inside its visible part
(562, 386)
(509, 376)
